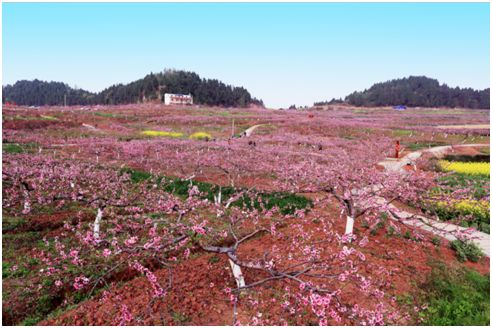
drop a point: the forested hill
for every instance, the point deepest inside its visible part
(151, 88)
(419, 91)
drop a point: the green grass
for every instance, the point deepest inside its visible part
(18, 148)
(456, 297)
(288, 203)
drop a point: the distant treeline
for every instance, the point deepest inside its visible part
(416, 91)
(151, 88)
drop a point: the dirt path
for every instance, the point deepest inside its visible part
(249, 131)
(445, 230)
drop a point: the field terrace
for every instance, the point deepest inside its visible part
(286, 153)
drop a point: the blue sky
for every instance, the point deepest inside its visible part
(282, 53)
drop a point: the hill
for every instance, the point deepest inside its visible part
(418, 91)
(152, 87)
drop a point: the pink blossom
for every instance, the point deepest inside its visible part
(363, 242)
(131, 241)
(125, 315)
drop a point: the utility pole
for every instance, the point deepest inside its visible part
(65, 100)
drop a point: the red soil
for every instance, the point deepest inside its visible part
(398, 265)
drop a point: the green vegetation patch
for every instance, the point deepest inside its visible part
(19, 148)
(288, 203)
(456, 297)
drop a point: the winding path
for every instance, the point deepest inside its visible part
(445, 230)
(249, 131)
(392, 164)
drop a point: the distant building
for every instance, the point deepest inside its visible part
(177, 99)
(400, 107)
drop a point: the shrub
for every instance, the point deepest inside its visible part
(201, 136)
(466, 250)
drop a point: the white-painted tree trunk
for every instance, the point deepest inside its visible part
(27, 203)
(218, 198)
(238, 274)
(229, 202)
(97, 223)
(349, 227)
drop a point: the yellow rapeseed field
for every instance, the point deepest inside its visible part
(477, 208)
(153, 133)
(201, 136)
(480, 168)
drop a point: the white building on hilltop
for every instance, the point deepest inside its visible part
(177, 99)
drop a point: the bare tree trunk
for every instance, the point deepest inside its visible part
(237, 273)
(97, 223)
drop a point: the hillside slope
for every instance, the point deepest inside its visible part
(417, 91)
(152, 87)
